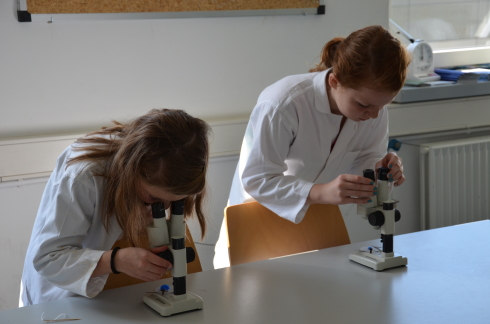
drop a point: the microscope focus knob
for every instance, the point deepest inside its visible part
(376, 219)
(397, 215)
(190, 255)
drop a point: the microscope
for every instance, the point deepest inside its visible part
(172, 233)
(382, 214)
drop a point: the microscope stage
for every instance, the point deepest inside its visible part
(376, 261)
(166, 304)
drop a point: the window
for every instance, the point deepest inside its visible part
(445, 24)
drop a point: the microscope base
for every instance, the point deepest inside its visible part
(167, 305)
(376, 261)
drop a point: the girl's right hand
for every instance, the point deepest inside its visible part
(142, 264)
(343, 190)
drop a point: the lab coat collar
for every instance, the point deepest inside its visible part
(321, 96)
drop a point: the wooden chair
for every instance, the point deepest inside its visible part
(122, 279)
(256, 233)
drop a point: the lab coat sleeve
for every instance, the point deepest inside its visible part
(263, 176)
(376, 145)
(60, 257)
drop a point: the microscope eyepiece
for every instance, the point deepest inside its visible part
(369, 173)
(383, 173)
(158, 210)
(178, 207)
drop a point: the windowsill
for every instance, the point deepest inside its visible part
(440, 102)
(463, 56)
(442, 92)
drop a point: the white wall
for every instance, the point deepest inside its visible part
(68, 77)
(17, 205)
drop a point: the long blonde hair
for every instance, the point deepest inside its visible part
(165, 148)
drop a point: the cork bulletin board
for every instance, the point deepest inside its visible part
(163, 8)
(116, 6)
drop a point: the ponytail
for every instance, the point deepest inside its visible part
(370, 57)
(328, 55)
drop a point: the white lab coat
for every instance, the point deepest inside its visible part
(68, 237)
(287, 149)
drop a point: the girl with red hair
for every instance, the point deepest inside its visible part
(310, 136)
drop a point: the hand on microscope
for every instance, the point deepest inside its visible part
(142, 264)
(394, 163)
(345, 189)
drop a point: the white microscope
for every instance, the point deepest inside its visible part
(172, 233)
(381, 214)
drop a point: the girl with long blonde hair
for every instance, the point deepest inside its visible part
(101, 190)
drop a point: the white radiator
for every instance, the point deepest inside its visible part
(455, 182)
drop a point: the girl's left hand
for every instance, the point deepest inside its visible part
(394, 163)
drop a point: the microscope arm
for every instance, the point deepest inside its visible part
(172, 234)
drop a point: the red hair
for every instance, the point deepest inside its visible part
(370, 57)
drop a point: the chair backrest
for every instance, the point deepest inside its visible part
(122, 279)
(256, 233)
